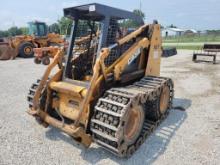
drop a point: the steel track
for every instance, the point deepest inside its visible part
(110, 112)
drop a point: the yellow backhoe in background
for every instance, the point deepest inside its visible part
(109, 90)
(23, 45)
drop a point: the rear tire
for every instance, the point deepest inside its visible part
(37, 61)
(45, 60)
(26, 50)
(160, 106)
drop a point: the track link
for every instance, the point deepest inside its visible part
(110, 113)
(32, 92)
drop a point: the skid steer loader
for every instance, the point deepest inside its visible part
(23, 45)
(109, 91)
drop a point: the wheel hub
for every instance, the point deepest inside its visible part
(133, 124)
(164, 99)
(28, 50)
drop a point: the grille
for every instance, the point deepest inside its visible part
(117, 30)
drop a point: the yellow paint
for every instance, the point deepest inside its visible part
(67, 88)
(124, 60)
(69, 105)
(153, 65)
(74, 101)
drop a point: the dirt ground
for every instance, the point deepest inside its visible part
(185, 137)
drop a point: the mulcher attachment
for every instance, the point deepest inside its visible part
(111, 114)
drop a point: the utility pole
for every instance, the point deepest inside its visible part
(141, 8)
(140, 5)
(13, 24)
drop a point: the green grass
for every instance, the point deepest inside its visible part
(188, 47)
(190, 42)
(185, 39)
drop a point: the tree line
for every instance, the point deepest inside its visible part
(13, 31)
(62, 26)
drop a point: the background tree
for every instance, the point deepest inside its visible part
(24, 30)
(131, 23)
(13, 31)
(65, 25)
(139, 13)
(54, 28)
(4, 34)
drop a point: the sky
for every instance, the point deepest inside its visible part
(186, 14)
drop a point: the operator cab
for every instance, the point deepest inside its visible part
(95, 26)
(38, 29)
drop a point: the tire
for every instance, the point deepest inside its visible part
(162, 104)
(45, 60)
(37, 61)
(26, 50)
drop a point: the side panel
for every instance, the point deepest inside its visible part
(133, 53)
(155, 52)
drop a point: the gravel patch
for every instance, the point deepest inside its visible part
(194, 83)
(185, 137)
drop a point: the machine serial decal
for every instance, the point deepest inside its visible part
(136, 54)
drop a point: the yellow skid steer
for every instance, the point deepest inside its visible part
(109, 91)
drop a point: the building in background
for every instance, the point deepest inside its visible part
(172, 32)
(190, 32)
